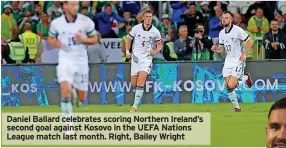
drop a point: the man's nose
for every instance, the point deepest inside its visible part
(282, 133)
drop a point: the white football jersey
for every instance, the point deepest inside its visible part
(233, 44)
(144, 39)
(65, 31)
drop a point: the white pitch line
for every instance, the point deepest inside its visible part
(5, 94)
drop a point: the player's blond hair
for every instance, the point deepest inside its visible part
(148, 10)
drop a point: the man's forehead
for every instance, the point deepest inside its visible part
(278, 116)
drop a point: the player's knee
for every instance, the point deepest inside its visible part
(66, 93)
(133, 84)
(231, 86)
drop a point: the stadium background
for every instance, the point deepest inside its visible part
(32, 87)
(170, 82)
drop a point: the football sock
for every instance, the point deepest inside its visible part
(232, 97)
(66, 106)
(138, 94)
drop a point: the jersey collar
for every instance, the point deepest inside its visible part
(72, 21)
(147, 28)
(226, 32)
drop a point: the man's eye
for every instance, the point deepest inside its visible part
(275, 127)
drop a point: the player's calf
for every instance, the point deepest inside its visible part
(81, 95)
(231, 84)
(139, 90)
(66, 101)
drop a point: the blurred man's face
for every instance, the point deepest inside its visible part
(192, 9)
(72, 8)
(84, 12)
(205, 8)
(226, 19)
(57, 4)
(7, 11)
(15, 5)
(218, 12)
(166, 21)
(126, 15)
(108, 10)
(45, 17)
(274, 25)
(27, 13)
(184, 32)
(237, 18)
(147, 18)
(201, 29)
(276, 129)
(85, 3)
(259, 13)
(38, 9)
(278, 17)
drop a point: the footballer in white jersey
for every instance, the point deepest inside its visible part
(231, 39)
(144, 37)
(70, 33)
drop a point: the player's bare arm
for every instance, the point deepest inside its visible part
(127, 47)
(54, 42)
(248, 47)
(217, 49)
(158, 49)
(86, 40)
(39, 52)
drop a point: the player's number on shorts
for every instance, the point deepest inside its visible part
(238, 69)
(84, 78)
(72, 41)
(228, 47)
(143, 43)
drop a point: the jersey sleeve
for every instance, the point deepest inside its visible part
(90, 28)
(220, 39)
(53, 30)
(132, 32)
(157, 36)
(242, 35)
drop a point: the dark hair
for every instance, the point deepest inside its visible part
(108, 6)
(280, 104)
(192, 4)
(274, 20)
(199, 24)
(127, 11)
(228, 12)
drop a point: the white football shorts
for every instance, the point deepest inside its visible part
(237, 71)
(75, 73)
(141, 64)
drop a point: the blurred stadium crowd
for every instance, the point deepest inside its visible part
(188, 28)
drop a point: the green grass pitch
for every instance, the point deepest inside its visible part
(231, 129)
